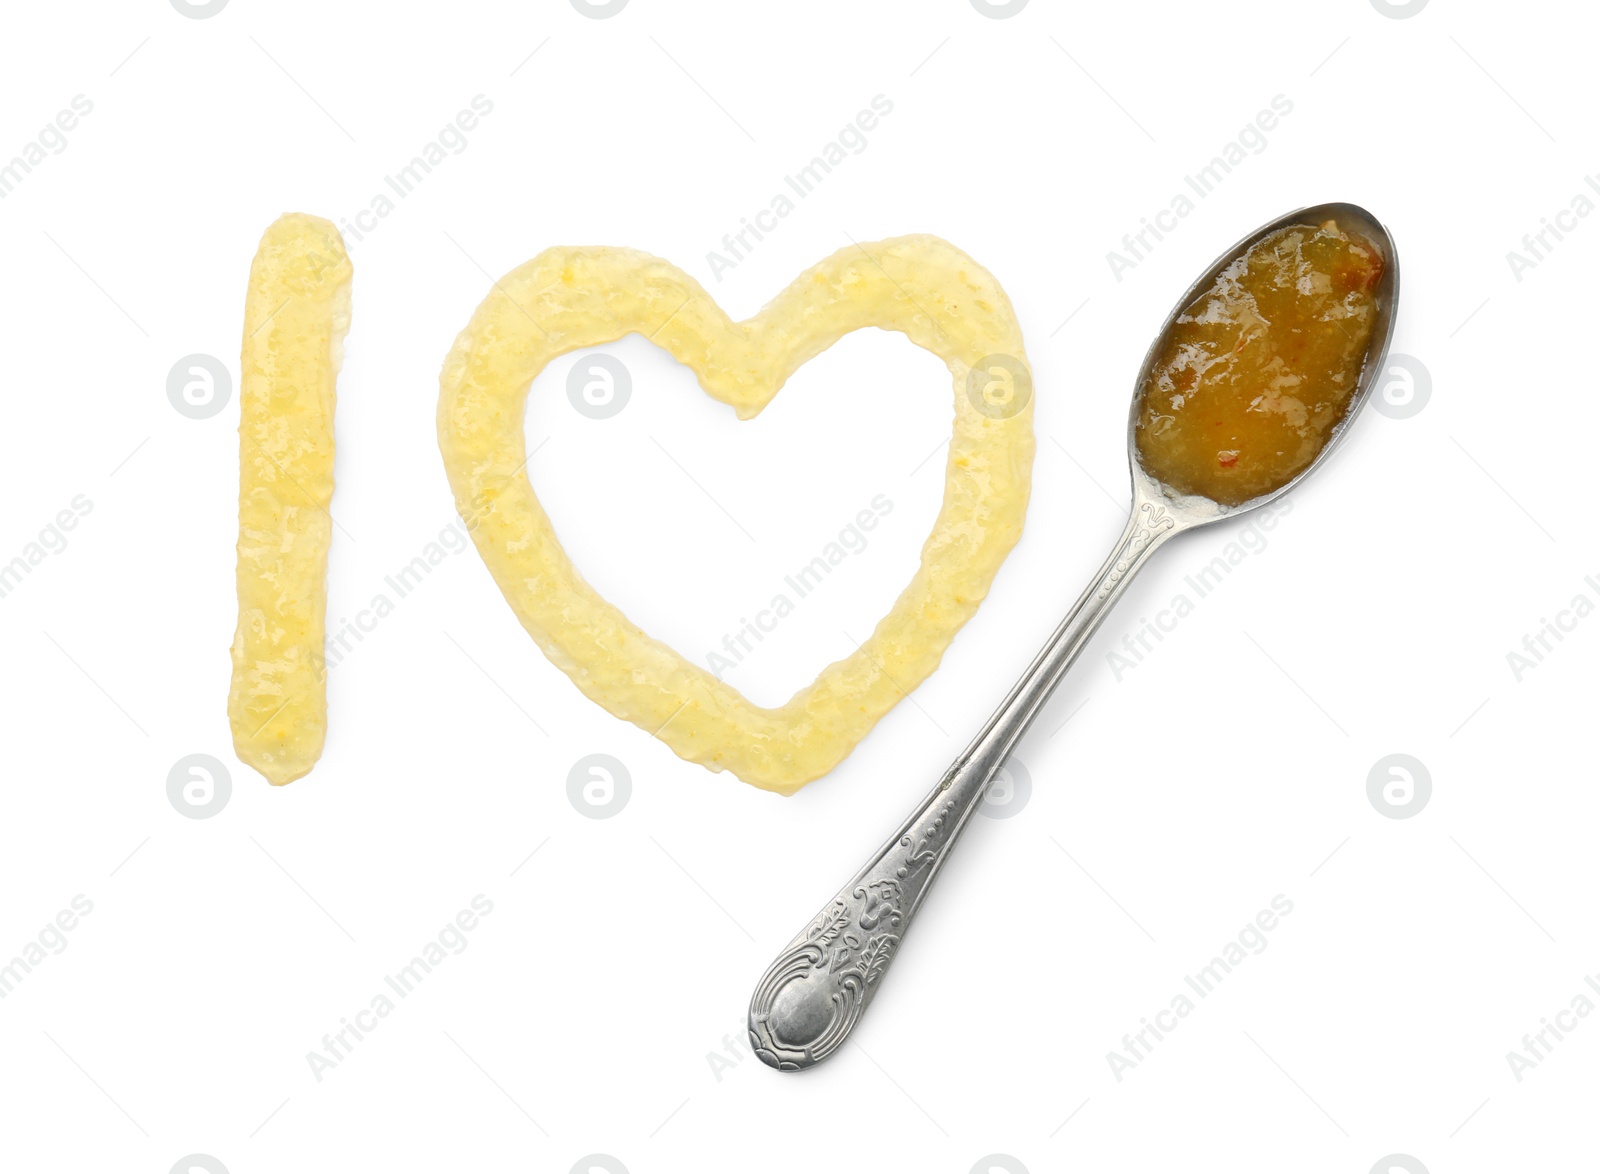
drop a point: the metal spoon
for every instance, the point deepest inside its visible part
(814, 994)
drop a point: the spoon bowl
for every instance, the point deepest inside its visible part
(1190, 510)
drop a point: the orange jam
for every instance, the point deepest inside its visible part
(1258, 369)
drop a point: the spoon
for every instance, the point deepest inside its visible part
(816, 991)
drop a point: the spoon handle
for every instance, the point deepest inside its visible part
(812, 996)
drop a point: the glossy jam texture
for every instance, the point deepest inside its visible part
(1258, 370)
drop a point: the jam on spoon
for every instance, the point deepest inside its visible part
(1258, 369)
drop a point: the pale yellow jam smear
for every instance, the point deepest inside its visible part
(568, 298)
(297, 309)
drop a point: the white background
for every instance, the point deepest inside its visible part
(1229, 766)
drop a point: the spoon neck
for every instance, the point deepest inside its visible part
(1150, 525)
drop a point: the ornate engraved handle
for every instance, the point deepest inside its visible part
(812, 996)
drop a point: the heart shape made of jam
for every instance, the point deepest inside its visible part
(569, 298)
